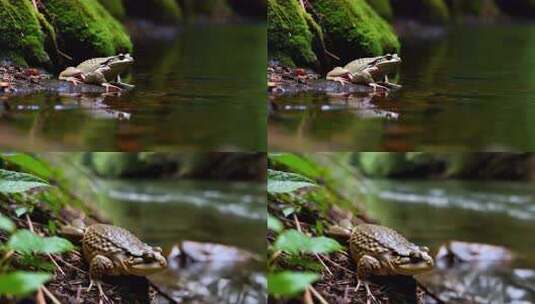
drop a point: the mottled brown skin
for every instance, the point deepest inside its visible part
(111, 250)
(378, 250)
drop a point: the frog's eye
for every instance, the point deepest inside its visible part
(424, 249)
(388, 56)
(148, 255)
(158, 249)
(121, 56)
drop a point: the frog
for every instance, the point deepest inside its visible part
(381, 251)
(114, 251)
(100, 71)
(367, 71)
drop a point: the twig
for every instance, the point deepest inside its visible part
(165, 295)
(50, 295)
(317, 295)
(30, 225)
(71, 265)
(56, 264)
(321, 261)
(35, 5)
(39, 298)
(307, 298)
(338, 265)
(297, 223)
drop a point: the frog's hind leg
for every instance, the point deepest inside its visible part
(109, 85)
(99, 266)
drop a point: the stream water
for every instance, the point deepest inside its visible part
(496, 213)
(193, 87)
(168, 212)
(471, 87)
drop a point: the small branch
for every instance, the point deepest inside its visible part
(50, 295)
(321, 261)
(30, 225)
(307, 298)
(317, 295)
(297, 223)
(56, 264)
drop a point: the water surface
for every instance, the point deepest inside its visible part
(202, 88)
(472, 88)
(496, 213)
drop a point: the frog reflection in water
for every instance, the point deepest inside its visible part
(111, 250)
(378, 250)
(367, 71)
(100, 71)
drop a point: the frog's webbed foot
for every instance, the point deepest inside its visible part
(342, 80)
(74, 80)
(109, 86)
(375, 86)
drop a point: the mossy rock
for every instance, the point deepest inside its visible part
(160, 11)
(289, 36)
(86, 29)
(432, 11)
(387, 164)
(114, 7)
(382, 7)
(22, 39)
(353, 29)
(520, 8)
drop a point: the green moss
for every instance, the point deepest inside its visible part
(114, 7)
(166, 11)
(382, 7)
(353, 29)
(22, 38)
(85, 29)
(289, 36)
(432, 11)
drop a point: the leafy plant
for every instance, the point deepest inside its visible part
(26, 242)
(14, 182)
(295, 242)
(284, 182)
(22, 282)
(288, 283)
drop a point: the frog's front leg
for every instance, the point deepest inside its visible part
(367, 265)
(122, 84)
(390, 84)
(99, 266)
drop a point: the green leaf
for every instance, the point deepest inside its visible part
(27, 242)
(285, 182)
(22, 282)
(6, 224)
(13, 182)
(294, 242)
(288, 283)
(29, 163)
(296, 163)
(21, 211)
(274, 224)
(288, 211)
